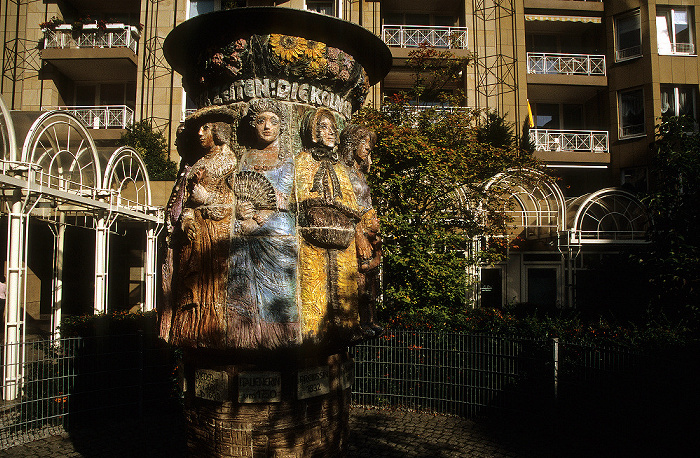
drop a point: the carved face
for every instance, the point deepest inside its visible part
(267, 127)
(327, 132)
(206, 135)
(363, 154)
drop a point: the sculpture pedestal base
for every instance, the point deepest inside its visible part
(272, 407)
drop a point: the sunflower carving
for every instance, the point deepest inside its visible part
(289, 49)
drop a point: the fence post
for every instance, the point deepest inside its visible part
(555, 342)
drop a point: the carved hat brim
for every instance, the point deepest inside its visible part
(214, 113)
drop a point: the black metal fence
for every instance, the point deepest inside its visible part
(80, 380)
(83, 380)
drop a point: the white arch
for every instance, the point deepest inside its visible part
(126, 167)
(538, 197)
(7, 134)
(49, 145)
(609, 215)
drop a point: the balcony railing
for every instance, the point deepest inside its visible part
(628, 53)
(90, 36)
(565, 64)
(101, 117)
(678, 48)
(633, 130)
(591, 141)
(413, 36)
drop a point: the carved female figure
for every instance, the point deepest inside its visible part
(327, 212)
(262, 275)
(356, 143)
(200, 240)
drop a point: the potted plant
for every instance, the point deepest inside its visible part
(51, 24)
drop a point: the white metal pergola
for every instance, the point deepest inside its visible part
(607, 216)
(57, 176)
(536, 209)
(534, 203)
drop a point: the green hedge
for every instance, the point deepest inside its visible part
(120, 322)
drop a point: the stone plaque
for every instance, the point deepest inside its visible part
(211, 385)
(347, 375)
(313, 382)
(259, 387)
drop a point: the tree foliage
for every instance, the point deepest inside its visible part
(153, 148)
(421, 161)
(673, 262)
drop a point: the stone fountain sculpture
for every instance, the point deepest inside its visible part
(273, 244)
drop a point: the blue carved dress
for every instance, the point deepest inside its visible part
(261, 293)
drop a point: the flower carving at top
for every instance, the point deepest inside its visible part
(288, 48)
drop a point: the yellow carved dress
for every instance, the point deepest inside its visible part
(327, 212)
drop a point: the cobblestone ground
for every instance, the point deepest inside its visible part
(373, 433)
(403, 434)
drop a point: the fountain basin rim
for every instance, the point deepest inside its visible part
(185, 42)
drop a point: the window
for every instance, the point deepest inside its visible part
(88, 95)
(628, 36)
(631, 113)
(678, 101)
(320, 6)
(419, 19)
(674, 33)
(547, 116)
(634, 179)
(198, 7)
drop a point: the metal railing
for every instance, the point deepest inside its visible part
(413, 36)
(634, 130)
(565, 64)
(592, 141)
(118, 36)
(83, 379)
(681, 48)
(628, 53)
(129, 376)
(101, 117)
(465, 374)
(453, 373)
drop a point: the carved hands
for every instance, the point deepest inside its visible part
(251, 219)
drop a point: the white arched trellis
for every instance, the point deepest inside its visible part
(56, 172)
(608, 216)
(127, 181)
(533, 201)
(63, 153)
(8, 143)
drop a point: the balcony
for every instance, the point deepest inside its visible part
(114, 36)
(571, 146)
(101, 117)
(92, 54)
(589, 141)
(413, 36)
(565, 64)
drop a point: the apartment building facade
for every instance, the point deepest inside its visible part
(591, 77)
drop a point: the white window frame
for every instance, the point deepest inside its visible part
(217, 7)
(677, 101)
(337, 7)
(621, 54)
(674, 47)
(621, 133)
